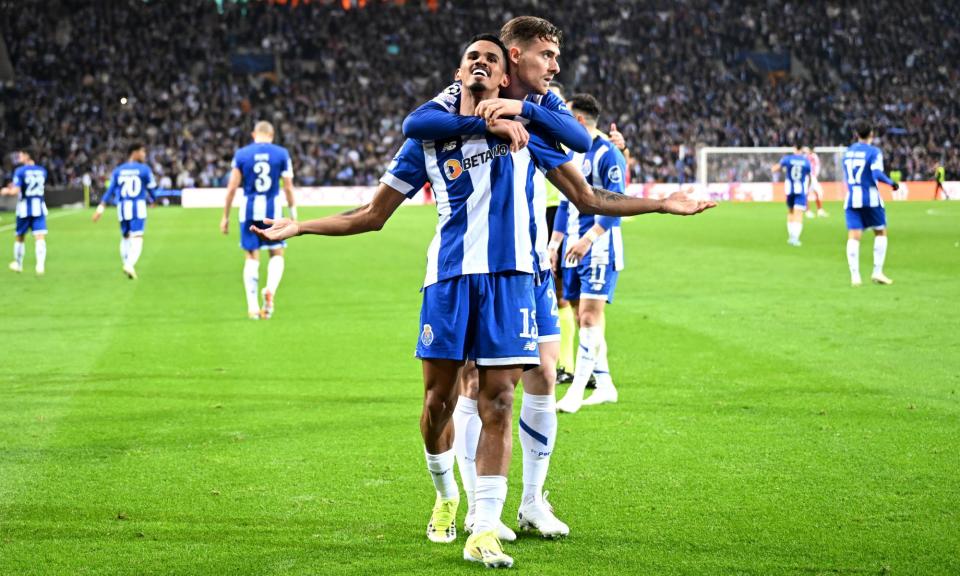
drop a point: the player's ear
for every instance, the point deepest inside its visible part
(514, 55)
(505, 81)
(456, 75)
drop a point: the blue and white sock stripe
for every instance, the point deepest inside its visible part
(534, 434)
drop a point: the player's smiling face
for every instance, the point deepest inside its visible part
(536, 63)
(482, 68)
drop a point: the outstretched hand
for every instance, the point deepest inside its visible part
(280, 229)
(680, 204)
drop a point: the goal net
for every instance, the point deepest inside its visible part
(725, 165)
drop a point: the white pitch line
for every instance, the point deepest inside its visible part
(53, 216)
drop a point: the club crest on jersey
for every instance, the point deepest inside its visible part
(586, 168)
(426, 337)
(452, 169)
(615, 175)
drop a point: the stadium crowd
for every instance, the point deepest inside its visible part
(672, 74)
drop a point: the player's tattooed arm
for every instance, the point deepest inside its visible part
(593, 200)
(367, 218)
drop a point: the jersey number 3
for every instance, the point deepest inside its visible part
(263, 182)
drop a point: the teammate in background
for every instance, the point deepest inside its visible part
(132, 184)
(568, 325)
(816, 189)
(259, 167)
(593, 257)
(796, 180)
(863, 168)
(28, 183)
(939, 175)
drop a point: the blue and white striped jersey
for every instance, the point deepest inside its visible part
(796, 169)
(545, 115)
(604, 167)
(484, 197)
(262, 166)
(30, 179)
(132, 183)
(863, 168)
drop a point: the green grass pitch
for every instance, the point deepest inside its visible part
(773, 420)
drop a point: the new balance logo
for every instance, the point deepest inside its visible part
(530, 346)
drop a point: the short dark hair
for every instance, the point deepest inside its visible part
(488, 37)
(134, 147)
(26, 150)
(558, 85)
(586, 105)
(862, 129)
(526, 29)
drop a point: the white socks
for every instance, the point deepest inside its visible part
(441, 469)
(19, 249)
(124, 250)
(853, 257)
(466, 437)
(491, 491)
(251, 283)
(590, 340)
(538, 434)
(274, 273)
(601, 370)
(879, 254)
(793, 231)
(136, 247)
(41, 251)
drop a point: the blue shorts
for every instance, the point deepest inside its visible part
(250, 241)
(797, 201)
(489, 318)
(38, 224)
(589, 282)
(133, 227)
(861, 218)
(548, 317)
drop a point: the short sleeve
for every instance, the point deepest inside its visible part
(545, 155)
(612, 169)
(449, 97)
(288, 166)
(18, 178)
(407, 172)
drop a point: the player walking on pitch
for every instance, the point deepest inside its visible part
(592, 259)
(796, 182)
(259, 167)
(863, 169)
(816, 188)
(28, 183)
(132, 184)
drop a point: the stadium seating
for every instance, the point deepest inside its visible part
(673, 75)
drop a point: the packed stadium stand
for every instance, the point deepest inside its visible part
(337, 82)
